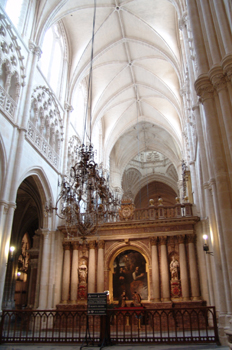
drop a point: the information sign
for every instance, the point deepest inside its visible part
(97, 303)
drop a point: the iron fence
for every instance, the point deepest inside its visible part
(175, 325)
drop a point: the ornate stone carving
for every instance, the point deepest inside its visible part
(75, 245)
(35, 49)
(92, 244)
(66, 245)
(126, 211)
(204, 88)
(191, 238)
(68, 107)
(181, 239)
(101, 244)
(163, 240)
(154, 240)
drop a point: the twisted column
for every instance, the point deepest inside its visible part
(155, 269)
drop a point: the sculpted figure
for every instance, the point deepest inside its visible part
(174, 268)
(82, 272)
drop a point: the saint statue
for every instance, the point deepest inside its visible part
(83, 272)
(174, 268)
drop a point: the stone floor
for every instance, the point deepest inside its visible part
(114, 347)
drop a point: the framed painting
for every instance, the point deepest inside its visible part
(129, 275)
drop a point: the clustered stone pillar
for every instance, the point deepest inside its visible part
(66, 273)
(155, 270)
(91, 269)
(165, 280)
(74, 276)
(100, 267)
(183, 268)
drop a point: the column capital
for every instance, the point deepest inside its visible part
(218, 78)
(154, 240)
(75, 245)
(204, 88)
(35, 49)
(227, 66)
(68, 107)
(92, 244)
(181, 239)
(191, 238)
(66, 245)
(101, 244)
(163, 240)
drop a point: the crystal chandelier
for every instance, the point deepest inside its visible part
(85, 197)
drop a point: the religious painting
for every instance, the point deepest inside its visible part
(130, 275)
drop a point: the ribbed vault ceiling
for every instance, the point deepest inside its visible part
(136, 70)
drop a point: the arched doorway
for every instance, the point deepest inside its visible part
(27, 220)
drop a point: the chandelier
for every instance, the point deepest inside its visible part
(85, 198)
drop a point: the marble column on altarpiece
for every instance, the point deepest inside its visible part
(155, 270)
(100, 267)
(66, 273)
(183, 268)
(91, 267)
(74, 272)
(194, 280)
(164, 268)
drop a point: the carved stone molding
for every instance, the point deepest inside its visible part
(92, 244)
(191, 238)
(154, 240)
(101, 244)
(66, 245)
(181, 239)
(163, 240)
(204, 88)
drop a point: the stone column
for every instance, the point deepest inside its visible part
(164, 269)
(91, 268)
(74, 276)
(183, 268)
(33, 280)
(66, 273)
(100, 267)
(194, 281)
(44, 279)
(155, 270)
(69, 110)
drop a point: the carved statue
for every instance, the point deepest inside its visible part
(174, 268)
(83, 272)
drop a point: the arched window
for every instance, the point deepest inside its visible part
(51, 62)
(16, 11)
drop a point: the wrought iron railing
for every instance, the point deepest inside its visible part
(176, 325)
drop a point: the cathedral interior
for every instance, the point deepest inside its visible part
(136, 95)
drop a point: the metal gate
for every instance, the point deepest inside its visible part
(176, 325)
